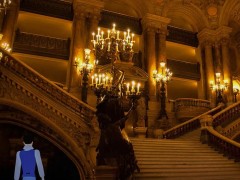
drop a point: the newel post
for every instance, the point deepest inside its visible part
(206, 122)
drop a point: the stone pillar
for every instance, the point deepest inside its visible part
(77, 46)
(209, 69)
(94, 20)
(9, 23)
(227, 74)
(150, 60)
(161, 50)
(151, 24)
(218, 63)
(81, 33)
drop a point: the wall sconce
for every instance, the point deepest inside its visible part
(219, 88)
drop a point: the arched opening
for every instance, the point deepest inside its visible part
(56, 164)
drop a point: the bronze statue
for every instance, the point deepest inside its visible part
(113, 149)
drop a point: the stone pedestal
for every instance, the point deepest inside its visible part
(140, 132)
(106, 173)
(158, 133)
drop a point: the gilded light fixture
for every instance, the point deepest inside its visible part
(162, 77)
(219, 87)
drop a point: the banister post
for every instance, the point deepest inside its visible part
(206, 122)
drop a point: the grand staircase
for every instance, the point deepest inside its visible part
(182, 158)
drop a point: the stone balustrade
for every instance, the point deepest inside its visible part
(84, 111)
(187, 108)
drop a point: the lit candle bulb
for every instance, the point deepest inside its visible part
(138, 87)
(133, 87)
(124, 35)
(92, 80)
(117, 34)
(108, 34)
(109, 46)
(98, 31)
(116, 46)
(132, 37)
(93, 34)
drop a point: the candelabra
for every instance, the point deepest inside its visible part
(132, 92)
(161, 78)
(101, 84)
(235, 93)
(219, 88)
(85, 69)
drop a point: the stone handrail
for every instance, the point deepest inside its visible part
(189, 125)
(232, 130)
(191, 102)
(85, 112)
(227, 115)
(223, 144)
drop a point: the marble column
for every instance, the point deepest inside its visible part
(150, 60)
(9, 23)
(78, 44)
(209, 69)
(161, 50)
(94, 20)
(227, 74)
(151, 24)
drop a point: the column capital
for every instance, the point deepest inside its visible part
(154, 21)
(216, 35)
(90, 8)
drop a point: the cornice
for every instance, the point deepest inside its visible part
(214, 35)
(155, 21)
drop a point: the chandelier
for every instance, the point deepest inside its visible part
(113, 45)
(4, 4)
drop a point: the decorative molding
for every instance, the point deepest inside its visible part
(83, 111)
(123, 22)
(214, 35)
(17, 93)
(184, 70)
(41, 45)
(155, 21)
(182, 36)
(58, 9)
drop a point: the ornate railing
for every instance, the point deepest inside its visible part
(59, 9)
(223, 144)
(41, 45)
(84, 111)
(232, 130)
(189, 125)
(191, 102)
(187, 108)
(227, 115)
(184, 69)
(182, 36)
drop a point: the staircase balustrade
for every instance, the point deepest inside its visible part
(189, 125)
(187, 108)
(223, 144)
(227, 115)
(85, 111)
(232, 130)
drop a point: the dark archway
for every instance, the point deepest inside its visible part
(56, 164)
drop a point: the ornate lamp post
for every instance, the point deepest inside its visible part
(161, 78)
(219, 88)
(85, 69)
